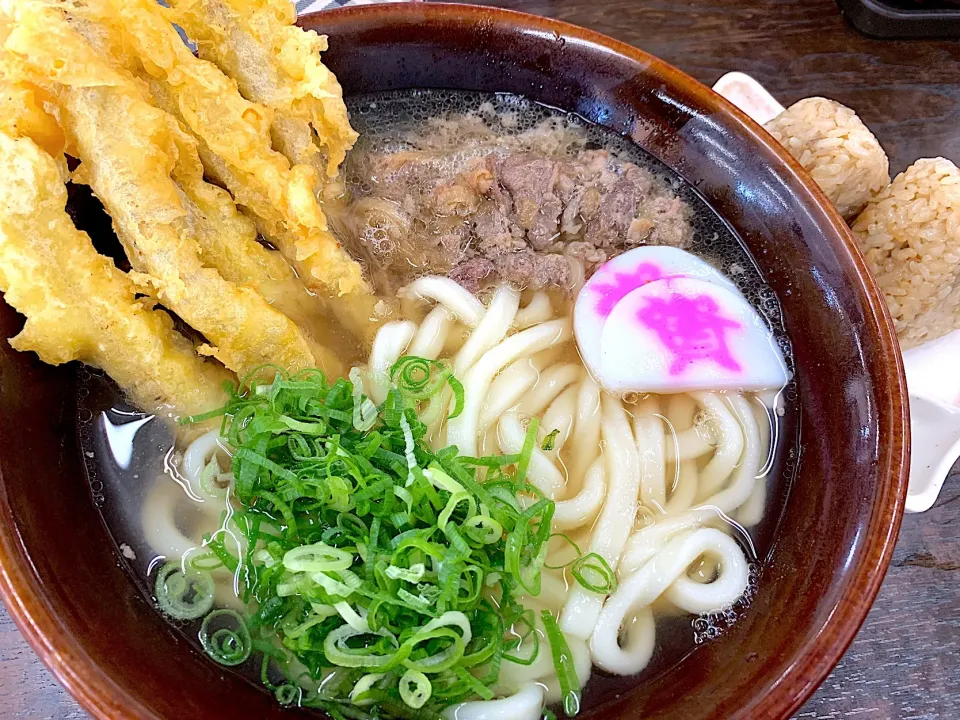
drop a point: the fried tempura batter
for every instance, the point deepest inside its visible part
(78, 305)
(22, 115)
(234, 137)
(129, 149)
(277, 64)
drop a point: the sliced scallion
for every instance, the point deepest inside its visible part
(225, 637)
(183, 595)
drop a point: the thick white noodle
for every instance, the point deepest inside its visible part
(617, 517)
(751, 512)
(538, 310)
(462, 431)
(690, 440)
(463, 304)
(432, 334)
(733, 575)
(649, 582)
(745, 478)
(681, 409)
(585, 444)
(525, 704)
(648, 430)
(553, 592)
(647, 542)
(541, 670)
(490, 330)
(685, 490)
(553, 381)
(541, 471)
(516, 675)
(507, 389)
(158, 518)
(389, 344)
(195, 459)
(729, 449)
(690, 444)
(583, 507)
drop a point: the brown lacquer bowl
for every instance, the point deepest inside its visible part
(65, 587)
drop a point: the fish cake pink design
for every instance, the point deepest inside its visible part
(692, 328)
(622, 275)
(683, 335)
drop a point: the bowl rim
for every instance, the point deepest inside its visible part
(102, 697)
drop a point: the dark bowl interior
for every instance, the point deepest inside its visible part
(80, 611)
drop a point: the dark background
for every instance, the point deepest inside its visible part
(905, 663)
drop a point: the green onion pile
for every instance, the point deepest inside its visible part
(382, 576)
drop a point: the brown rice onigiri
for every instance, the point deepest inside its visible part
(836, 148)
(910, 233)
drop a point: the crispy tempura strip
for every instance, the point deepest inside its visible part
(228, 241)
(22, 115)
(128, 150)
(78, 305)
(277, 64)
(226, 237)
(235, 145)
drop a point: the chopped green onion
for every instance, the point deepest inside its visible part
(360, 694)
(339, 652)
(527, 452)
(412, 574)
(458, 396)
(364, 411)
(388, 570)
(550, 440)
(563, 664)
(415, 689)
(576, 549)
(287, 694)
(418, 378)
(319, 556)
(408, 448)
(208, 476)
(526, 621)
(594, 573)
(228, 646)
(204, 562)
(183, 595)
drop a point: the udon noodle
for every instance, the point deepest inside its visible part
(652, 484)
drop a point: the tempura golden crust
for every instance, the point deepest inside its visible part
(78, 305)
(234, 137)
(278, 65)
(23, 116)
(227, 238)
(129, 150)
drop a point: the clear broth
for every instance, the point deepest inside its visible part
(125, 451)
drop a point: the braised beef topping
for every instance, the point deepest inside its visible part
(481, 211)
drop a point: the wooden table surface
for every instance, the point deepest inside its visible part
(905, 663)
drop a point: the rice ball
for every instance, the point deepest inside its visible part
(836, 148)
(910, 233)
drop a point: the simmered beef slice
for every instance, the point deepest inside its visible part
(472, 273)
(495, 234)
(523, 216)
(402, 176)
(529, 269)
(532, 184)
(618, 206)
